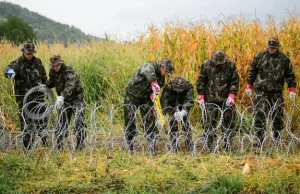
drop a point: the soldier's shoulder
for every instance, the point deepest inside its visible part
(206, 63)
(283, 55)
(261, 53)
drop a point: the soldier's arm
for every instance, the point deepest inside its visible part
(13, 65)
(164, 100)
(253, 69)
(189, 100)
(70, 84)
(43, 72)
(148, 71)
(50, 83)
(201, 81)
(234, 85)
(290, 75)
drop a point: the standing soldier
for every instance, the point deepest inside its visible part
(268, 71)
(140, 93)
(69, 100)
(177, 100)
(28, 71)
(218, 84)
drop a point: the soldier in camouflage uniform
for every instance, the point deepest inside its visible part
(177, 100)
(217, 86)
(140, 93)
(267, 73)
(28, 71)
(69, 100)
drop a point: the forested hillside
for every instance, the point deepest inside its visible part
(44, 28)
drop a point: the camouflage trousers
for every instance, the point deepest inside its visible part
(65, 114)
(268, 106)
(145, 106)
(32, 127)
(219, 115)
(174, 125)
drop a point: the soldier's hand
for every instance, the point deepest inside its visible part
(292, 96)
(11, 73)
(155, 87)
(230, 100)
(249, 90)
(152, 97)
(59, 102)
(201, 101)
(41, 85)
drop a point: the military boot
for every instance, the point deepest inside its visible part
(44, 141)
(174, 142)
(27, 141)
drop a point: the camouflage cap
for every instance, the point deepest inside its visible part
(28, 47)
(273, 42)
(55, 60)
(219, 57)
(178, 84)
(168, 64)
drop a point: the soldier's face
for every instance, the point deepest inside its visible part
(56, 68)
(28, 56)
(272, 50)
(163, 70)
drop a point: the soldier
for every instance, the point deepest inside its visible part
(268, 71)
(69, 100)
(28, 71)
(140, 93)
(177, 100)
(217, 86)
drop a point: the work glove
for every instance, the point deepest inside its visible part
(230, 100)
(249, 90)
(41, 85)
(179, 115)
(155, 87)
(292, 94)
(59, 102)
(152, 97)
(11, 73)
(201, 101)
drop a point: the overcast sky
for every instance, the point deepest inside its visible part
(124, 17)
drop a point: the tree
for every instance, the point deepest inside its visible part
(16, 30)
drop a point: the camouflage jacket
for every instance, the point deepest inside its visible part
(178, 91)
(217, 81)
(28, 74)
(269, 71)
(66, 83)
(139, 84)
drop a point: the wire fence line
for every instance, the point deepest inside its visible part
(105, 125)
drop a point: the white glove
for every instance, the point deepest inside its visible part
(249, 92)
(292, 96)
(11, 73)
(155, 87)
(229, 102)
(179, 115)
(42, 85)
(59, 102)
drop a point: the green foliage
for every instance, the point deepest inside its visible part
(219, 184)
(44, 28)
(16, 30)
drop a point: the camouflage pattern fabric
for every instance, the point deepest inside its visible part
(29, 73)
(178, 93)
(216, 81)
(67, 84)
(139, 84)
(267, 73)
(211, 119)
(131, 106)
(262, 105)
(77, 110)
